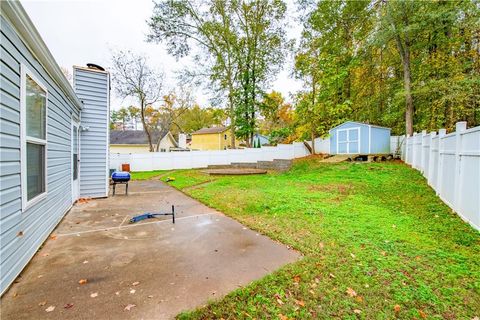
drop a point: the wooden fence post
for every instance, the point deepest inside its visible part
(460, 127)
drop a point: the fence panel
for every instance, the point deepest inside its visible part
(451, 164)
(202, 159)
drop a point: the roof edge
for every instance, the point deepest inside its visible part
(216, 132)
(16, 14)
(365, 124)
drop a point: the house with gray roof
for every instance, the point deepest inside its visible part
(136, 141)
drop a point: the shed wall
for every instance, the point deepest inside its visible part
(22, 233)
(93, 89)
(380, 142)
(364, 136)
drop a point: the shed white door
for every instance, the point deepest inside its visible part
(75, 161)
(348, 141)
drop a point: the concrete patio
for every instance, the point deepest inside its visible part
(160, 268)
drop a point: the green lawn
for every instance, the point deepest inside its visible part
(146, 175)
(378, 244)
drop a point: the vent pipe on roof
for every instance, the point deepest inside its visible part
(95, 66)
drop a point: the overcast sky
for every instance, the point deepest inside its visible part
(79, 32)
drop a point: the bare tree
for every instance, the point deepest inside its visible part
(134, 78)
(161, 120)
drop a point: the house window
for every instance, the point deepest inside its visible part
(34, 138)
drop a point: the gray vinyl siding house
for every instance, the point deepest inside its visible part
(37, 186)
(92, 87)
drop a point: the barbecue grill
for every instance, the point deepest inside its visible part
(120, 177)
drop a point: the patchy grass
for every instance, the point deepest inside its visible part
(147, 175)
(378, 244)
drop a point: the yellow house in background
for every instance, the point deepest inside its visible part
(216, 138)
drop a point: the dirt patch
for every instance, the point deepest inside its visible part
(343, 189)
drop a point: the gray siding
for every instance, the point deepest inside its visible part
(22, 233)
(92, 88)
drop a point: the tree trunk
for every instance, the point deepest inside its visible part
(145, 128)
(404, 50)
(232, 118)
(407, 79)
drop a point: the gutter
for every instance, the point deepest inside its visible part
(14, 12)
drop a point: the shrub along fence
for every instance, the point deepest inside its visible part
(451, 164)
(202, 159)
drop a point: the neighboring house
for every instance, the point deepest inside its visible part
(136, 141)
(359, 138)
(264, 140)
(46, 127)
(215, 138)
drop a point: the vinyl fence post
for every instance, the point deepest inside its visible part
(431, 160)
(407, 138)
(460, 127)
(422, 154)
(441, 135)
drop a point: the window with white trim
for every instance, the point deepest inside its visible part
(34, 138)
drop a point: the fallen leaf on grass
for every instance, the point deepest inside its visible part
(351, 292)
(82, 281)
(68, 305)
(332, 275)
(422, 314)
(136, 283)
(278, 298)
(41, 304)
(321, 245)
(50, 309)
(93, 295)
(384, 253)
(282, 317)
(357, 311)
(352, 255)
(129, 307)
(297, 278)
(359, 299)
(396, 308)
(301, 303)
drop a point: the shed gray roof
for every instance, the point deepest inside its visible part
(361, 123)
(134, 137)
(210, 130)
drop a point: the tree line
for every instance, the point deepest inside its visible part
(407, 65)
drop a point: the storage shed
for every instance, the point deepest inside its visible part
(359, 138)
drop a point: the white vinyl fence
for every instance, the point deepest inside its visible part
(321, 145)
(451, 164)
(202, 159)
